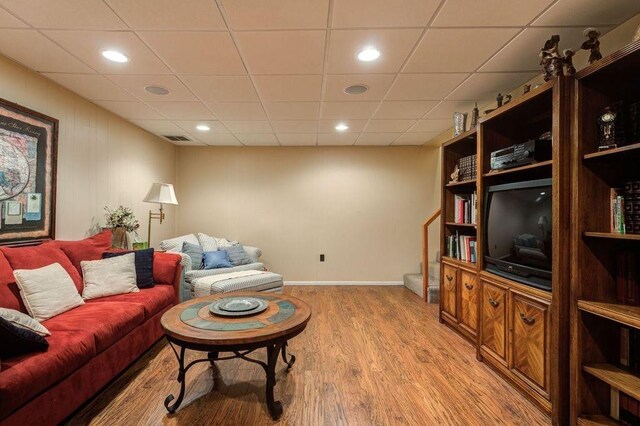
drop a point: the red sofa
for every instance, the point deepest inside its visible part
(89, 345)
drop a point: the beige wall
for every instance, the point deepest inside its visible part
(102, 159)
(362, 207)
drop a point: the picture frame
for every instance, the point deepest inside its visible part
(28, 172)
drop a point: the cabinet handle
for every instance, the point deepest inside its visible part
(493, 302)
(527, 320)
(468, 286)
(449, 277)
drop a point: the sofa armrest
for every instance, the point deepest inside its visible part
(253, 252)
(167, 270)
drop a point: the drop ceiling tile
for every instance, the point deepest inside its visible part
(217, 139)
(394, 46)
(403, 109)
(221, 88)
(37, 52)
(190, 126)
(472, 47)
(65, 14)
(436, 125)
(382, 13)
(377, 138)
(91, 86)
(292, 110)
(258, 139)
(297, 139)
(420, 87)
(295, 126)
(285, 14)
(415, 138)
(446, 109)
(237, 110)
(278, 88)
(161, 127)
(88, 45)
(337, 138)
(282, 52)
(136, 84)
(169, 14)
(388, 126)
(347, 110)
(238, 127)
(130, 110)
(329, 126)
(482, 87)
(588, 13)
(522, 54)
(182, 110)
(211, 53)
(9, 21)
(489, 13)
(378, 85)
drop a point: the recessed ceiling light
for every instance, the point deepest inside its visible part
(341, 127)
(369, 54)
(203, 128)
(356, 89)
(115, 56)
(157, 90)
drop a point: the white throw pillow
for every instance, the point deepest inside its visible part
(175, 244)
(210, 243)
(48, 291)
(107, 277)
(23, 320)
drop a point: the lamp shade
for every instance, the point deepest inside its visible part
(161, 193)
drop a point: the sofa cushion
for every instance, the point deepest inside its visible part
(237, 255)
(24, 377)
(88, 249)
(108, 322)
(108, 277)
(22, 320)
(42, 255)
(165, 267)
(18, 341)
(216, 259)
(143, 263)
(175, 244)
(192, 275)
(9, 291)
(153, 300)
(195, 253)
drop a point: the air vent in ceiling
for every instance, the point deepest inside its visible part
(356, 89)
(174, 138)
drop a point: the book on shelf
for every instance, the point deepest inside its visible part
(629, 410)
(632, 207)
(617, 211)
(468, 167)
(466, 208)
(462, 247)
(627, 283)
(630, 348)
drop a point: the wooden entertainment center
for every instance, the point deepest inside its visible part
(561, 348)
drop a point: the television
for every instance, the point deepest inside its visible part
(517, 232)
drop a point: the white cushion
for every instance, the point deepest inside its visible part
(48, 291)
(175, 244)
(23, 320)
(106, 277)
(210, 243)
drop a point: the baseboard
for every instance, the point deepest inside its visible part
(343, 283)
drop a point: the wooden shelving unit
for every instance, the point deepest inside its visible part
(488, 309)
(597, 316)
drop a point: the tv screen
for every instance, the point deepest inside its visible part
(518, 232)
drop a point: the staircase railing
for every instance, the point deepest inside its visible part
(425, 252)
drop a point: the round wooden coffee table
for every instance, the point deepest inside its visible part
(190, 325)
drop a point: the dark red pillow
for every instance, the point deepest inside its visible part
(88, 249)
(45, 254)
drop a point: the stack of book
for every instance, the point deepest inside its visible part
(625, 408)
(468, 167)
(462, 247)
(466, 208)
(625, 209)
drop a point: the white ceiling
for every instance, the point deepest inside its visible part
(272, 72)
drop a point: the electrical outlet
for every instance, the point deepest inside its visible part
(322, 258)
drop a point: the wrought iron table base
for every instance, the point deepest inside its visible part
(273, 350)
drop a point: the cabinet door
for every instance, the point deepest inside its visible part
(494, 319)
(449, 289)
(529, 325)
(469, 301)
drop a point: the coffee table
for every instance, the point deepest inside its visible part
(190, 325)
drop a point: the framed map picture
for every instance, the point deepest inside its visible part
(28, 151)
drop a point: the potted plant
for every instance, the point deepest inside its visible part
(121, 220)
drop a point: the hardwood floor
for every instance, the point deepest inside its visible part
(369, 356)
